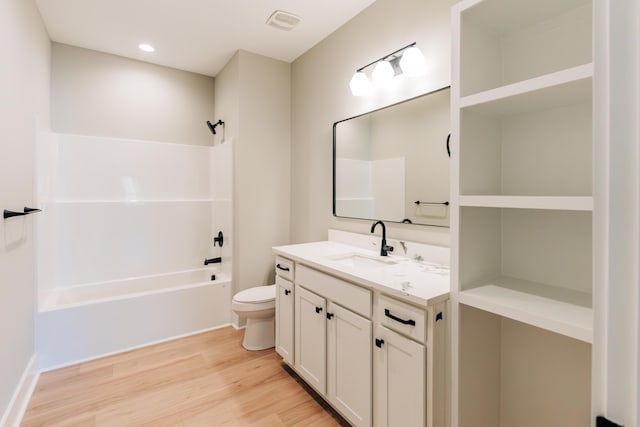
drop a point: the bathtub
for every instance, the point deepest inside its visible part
(83, 322)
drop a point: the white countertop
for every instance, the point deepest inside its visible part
(419, 282)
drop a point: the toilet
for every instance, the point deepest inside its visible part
(258, 306)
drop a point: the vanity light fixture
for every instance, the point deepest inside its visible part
(146, 47)
(383, 74)
(412, 62)
(407, 60)
(360, 84)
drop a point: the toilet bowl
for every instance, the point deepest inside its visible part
(258, 306)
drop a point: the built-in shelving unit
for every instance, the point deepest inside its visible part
(522, 206)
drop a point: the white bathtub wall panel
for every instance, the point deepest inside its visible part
(88, 331)
(99, 168)
(107, 241)
(354, 177)
(355, 208)
(222, 220)
(46, 170)
(44, 229)
(46, 255)
(388, 188)
(221, 170)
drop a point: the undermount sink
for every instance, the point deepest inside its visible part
(359, 261)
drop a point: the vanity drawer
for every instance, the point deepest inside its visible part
(285, 268)
(348, 295)
(402, 317)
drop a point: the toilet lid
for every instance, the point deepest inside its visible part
(257, 294)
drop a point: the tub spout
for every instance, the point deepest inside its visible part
(213, 261)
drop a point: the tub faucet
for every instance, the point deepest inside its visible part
(212, 261)
(384, 248)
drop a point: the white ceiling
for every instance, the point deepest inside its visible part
(194, 35)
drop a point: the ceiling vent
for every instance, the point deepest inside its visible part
(283, 20)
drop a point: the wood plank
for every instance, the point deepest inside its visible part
(201, 380)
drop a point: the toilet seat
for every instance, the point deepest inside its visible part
(256, 295)
(255, 299)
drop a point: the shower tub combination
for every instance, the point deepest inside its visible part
(125, 229)
(82, 322)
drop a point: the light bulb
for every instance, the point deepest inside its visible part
(383, 74)
(360, 84)
(412, 62)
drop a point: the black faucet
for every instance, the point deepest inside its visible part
(212, 261)
(383, 245)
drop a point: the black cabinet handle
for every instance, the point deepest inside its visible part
(379, 342)
(279, 267)
(318, 310)
(329, 316)
(287, 291)
(397, 319)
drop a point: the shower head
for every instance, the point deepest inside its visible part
(212, 126)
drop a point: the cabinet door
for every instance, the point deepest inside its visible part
(310, 338)
(349, 364)
(284, 319)
(399, 380)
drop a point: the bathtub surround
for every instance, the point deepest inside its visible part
(24, 108)
(120, 250)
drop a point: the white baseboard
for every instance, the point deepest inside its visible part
(20, 400)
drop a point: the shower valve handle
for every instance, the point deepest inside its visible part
(219, 239)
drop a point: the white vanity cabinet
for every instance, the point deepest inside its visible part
(333, 343)
(285, 310)
(349, 383)
(409, 386)
(374, 350)
(311, 342)
(399, 377)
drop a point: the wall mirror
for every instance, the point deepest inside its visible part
(393, 163)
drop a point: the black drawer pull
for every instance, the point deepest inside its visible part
(397, 319)
(279, 267)
(287, 291)
(379, 342)
(329, 316)
(318, 310)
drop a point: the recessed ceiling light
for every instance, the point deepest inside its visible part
(146, 47)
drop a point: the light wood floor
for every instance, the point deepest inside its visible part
(203, 380)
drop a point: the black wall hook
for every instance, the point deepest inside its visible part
(26, 211)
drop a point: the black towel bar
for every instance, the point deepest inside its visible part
(26, 211)
(418, 202)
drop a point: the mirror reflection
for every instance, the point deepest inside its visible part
(392, 164)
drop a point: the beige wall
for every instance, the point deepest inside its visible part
(94, 93)
(321, 96)
(253, 98)
(24, 109)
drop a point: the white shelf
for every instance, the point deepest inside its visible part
(504, 16)
(557, 310)
(567, 203)
(566, 87)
